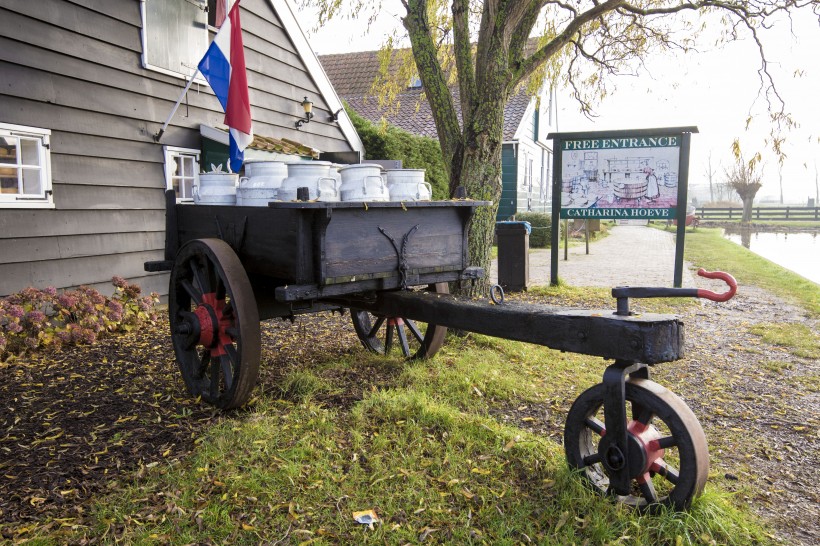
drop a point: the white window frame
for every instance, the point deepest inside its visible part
(184, 72)
(44, 199)
(172, 152)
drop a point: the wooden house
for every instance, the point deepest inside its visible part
(85, 85)
(526, 154)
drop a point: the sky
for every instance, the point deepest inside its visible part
(715, 90)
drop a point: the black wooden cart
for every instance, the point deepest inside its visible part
(390, 265)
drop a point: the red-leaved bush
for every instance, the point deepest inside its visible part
(34, 318)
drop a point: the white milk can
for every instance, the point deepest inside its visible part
(261, 184)
(313, 175)
(363, 182)
(408, 185)
(215, 189)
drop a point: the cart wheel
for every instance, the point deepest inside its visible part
(424, 341)
(214, 323)
(668, 458)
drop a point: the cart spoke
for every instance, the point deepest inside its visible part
(232, 354)
(202, 364)
(375, 329)
(388, 340)
(227, 370)
(596, 426)
(667, 472)
(192, 291)
(644, 416)
(667, 442)
(215, 378)
(414, 330)
(200, 277)
(592, 459)
(648, 490)
(219, 288)
(405, 348)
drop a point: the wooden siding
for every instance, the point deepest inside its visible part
(75, 67)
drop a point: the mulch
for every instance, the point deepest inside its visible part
(76, 420)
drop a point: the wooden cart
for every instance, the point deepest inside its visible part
(390, 265)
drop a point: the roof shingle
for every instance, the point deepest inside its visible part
(353, 74)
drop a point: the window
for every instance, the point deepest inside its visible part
(174, 35)
(25, 167)
(181, 171)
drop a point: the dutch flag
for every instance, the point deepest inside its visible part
(223, 66)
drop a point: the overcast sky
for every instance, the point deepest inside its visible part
(714, 90)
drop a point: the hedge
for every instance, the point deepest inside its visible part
(541, 227)
(416, 152)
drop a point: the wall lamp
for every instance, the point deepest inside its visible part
(308, 106)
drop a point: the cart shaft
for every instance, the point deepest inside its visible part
(646, 338)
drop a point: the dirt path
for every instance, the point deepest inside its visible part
(759, 405)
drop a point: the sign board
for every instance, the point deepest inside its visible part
(627, 177)
(639, 174)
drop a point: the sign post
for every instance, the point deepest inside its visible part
(631, 174)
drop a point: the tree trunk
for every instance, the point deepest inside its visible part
(748, 201)
(481, 176)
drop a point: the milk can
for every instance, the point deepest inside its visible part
(314, 175)
(363, 182)
(215, 188)
(261, 184)
(408, 185)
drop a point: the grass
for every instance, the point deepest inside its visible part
(428, 455)
(708, 249)
(797, 338)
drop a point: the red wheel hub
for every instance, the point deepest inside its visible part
(647, 438)
(213, 324)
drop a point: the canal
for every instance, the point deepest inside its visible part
(796, 251)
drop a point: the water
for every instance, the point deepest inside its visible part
(798, 252)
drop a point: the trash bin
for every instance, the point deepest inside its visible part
(513, 255)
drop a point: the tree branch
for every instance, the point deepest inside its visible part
(463, 51)
(433, 78)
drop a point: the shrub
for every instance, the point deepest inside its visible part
(541, 227)
(34, 319)
(416, 152)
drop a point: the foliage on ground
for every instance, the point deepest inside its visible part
(416, 152)
(33, 318)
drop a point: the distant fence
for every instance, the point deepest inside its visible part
(794, 214)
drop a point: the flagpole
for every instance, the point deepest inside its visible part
(174, 110)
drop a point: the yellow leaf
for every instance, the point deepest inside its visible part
(246, 527)
(509, 445)
(480, 471)
(561, 521)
